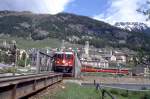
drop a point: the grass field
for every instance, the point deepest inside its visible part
(125, 94)
(103, 74)
(74, 91)
(49, 42)
(24, 44)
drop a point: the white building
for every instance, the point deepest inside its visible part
(121, 58)
(102, 63)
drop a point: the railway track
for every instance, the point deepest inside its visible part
(15, 87)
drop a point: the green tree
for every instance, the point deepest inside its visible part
(135, 62)
(23, 56)
(22, 60)
(21, 63)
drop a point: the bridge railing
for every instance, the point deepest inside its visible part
(16, 87)
(41, 61)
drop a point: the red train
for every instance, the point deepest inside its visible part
(121, 71)
(64, 62)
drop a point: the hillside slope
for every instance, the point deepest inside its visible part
(73, 28)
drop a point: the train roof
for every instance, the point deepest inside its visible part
(64, 53)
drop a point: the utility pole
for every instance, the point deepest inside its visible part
(62, 45)
(16, 58)
(38, 62)
(16, 52)
(25, 63)
(14, 48)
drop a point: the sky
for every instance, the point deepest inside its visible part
(110, 11)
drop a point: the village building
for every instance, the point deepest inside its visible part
(102, 63)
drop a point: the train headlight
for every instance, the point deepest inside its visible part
(63, 61)
(57, 62)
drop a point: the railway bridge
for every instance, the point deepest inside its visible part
(16, 87)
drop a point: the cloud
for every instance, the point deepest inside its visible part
(123, 11)
(36, 6)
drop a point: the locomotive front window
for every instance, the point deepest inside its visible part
(69, 56)
(59, 56)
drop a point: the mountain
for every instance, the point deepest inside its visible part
(73, 28)
(134, 26)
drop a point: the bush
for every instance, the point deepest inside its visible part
(135, 93)
(124, 94)
(145, 96)
(8, 70)
(113, 91)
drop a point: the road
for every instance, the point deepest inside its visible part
(135, 87)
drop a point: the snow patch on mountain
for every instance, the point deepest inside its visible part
(132, 26)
